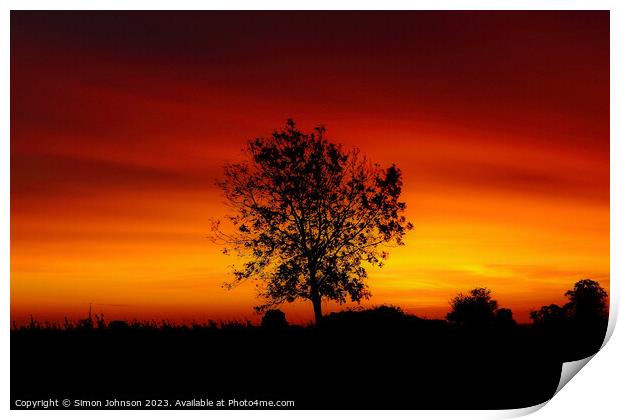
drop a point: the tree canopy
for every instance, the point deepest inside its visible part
(587, 301)
(308, 217)
(587, 304)
(475, 309)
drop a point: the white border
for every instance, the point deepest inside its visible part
(600, 377)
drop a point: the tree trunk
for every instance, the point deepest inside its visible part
(315, 296)
(316, 305)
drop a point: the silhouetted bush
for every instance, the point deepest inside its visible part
(274, 319)
(504, 321)
(549, 316)
(473, 310)
(381, 316)
(118, 325)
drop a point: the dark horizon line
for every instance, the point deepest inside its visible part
(164, 321)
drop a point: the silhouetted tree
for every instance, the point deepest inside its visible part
(274, 319)
(308, 215)
(578, 328)
(587, 302)
(548, 316)
(475, 309)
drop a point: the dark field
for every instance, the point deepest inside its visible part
(376, 359)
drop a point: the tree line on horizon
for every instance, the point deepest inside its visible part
(475, 310)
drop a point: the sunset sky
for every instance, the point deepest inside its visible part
(120, 122)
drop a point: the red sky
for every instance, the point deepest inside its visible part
(121, 121)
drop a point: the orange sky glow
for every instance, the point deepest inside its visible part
(121, 121)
